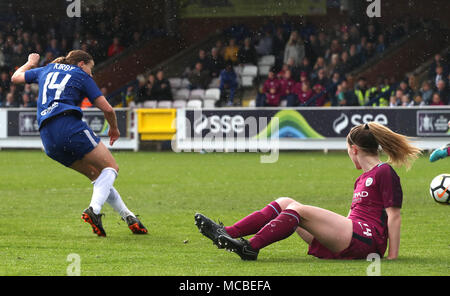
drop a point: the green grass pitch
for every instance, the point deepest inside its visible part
(41, 202)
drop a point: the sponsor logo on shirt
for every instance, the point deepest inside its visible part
(49, 109)
(357, 196)
(369, 181)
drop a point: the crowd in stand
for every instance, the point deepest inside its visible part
(312, 66)
(103, 33)
(315, 64)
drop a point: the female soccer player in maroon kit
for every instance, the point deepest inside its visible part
(374, 217)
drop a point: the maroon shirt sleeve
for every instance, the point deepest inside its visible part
(390, 187)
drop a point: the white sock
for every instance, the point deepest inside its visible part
(102, 188)
(117, 203)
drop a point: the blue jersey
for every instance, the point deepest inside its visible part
(61, 88)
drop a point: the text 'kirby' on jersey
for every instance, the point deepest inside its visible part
(61, 88)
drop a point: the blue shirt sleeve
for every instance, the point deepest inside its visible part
(91, 89)
(32, 76)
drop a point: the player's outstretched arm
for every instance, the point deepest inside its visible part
(19, 75)
(394, 223)
(110, 116)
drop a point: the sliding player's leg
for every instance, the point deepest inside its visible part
(330, 229)
(250, 224)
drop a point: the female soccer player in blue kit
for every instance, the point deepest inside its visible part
(67, 139)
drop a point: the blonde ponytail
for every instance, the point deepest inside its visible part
(370, 136)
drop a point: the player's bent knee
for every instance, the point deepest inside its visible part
(284, 202)
(296, 206)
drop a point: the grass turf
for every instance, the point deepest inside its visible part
(41, 204)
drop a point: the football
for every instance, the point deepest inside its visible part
(439, 188)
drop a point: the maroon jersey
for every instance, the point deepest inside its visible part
(304, 96)
(273, 99)
(271, 84)
(375, 191)
(287, 86)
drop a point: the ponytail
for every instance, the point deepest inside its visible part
(372, 136)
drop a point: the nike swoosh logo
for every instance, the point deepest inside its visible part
(440, 195)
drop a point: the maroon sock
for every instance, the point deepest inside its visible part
(279, 228)
(448, 151)
(254, 222)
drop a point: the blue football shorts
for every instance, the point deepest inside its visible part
(66, 138)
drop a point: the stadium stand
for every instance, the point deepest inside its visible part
(329, 61)
(327, 64)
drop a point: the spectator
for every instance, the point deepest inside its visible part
(393, 101)
(437, 62)
(303, 79)
(333, 65)
(335, 48)
(332, 88)
(354, 34)
(215, 63)
(323, 44)
(426, 92)
(321, 78)
(264, 46)
(345, 42)
(53, 48)
(247, 53)
(231, 52)
(145, 90)
(321, 97)
(443, 92)
(287, 85)
(278, 44)
(406, 102)
(380, 47)
(305, 66)
(436, 100)
(161, 90)
(370, 51)
(115, 48)
(228, 84)
(362, 92)
(398, 96)
(315, 48)
(303, 94)
(344, 65)
(371, 33)
(320, 64)
(202, 58)
(271, 92)
(27, 102)
(20, 56)
(345, 96)
(418, 101)
(220, 48)
(294, 49)
(354, 57)
(406, 89)
(439, 75)
(10, 101)
(199, 78)
(5, 81)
